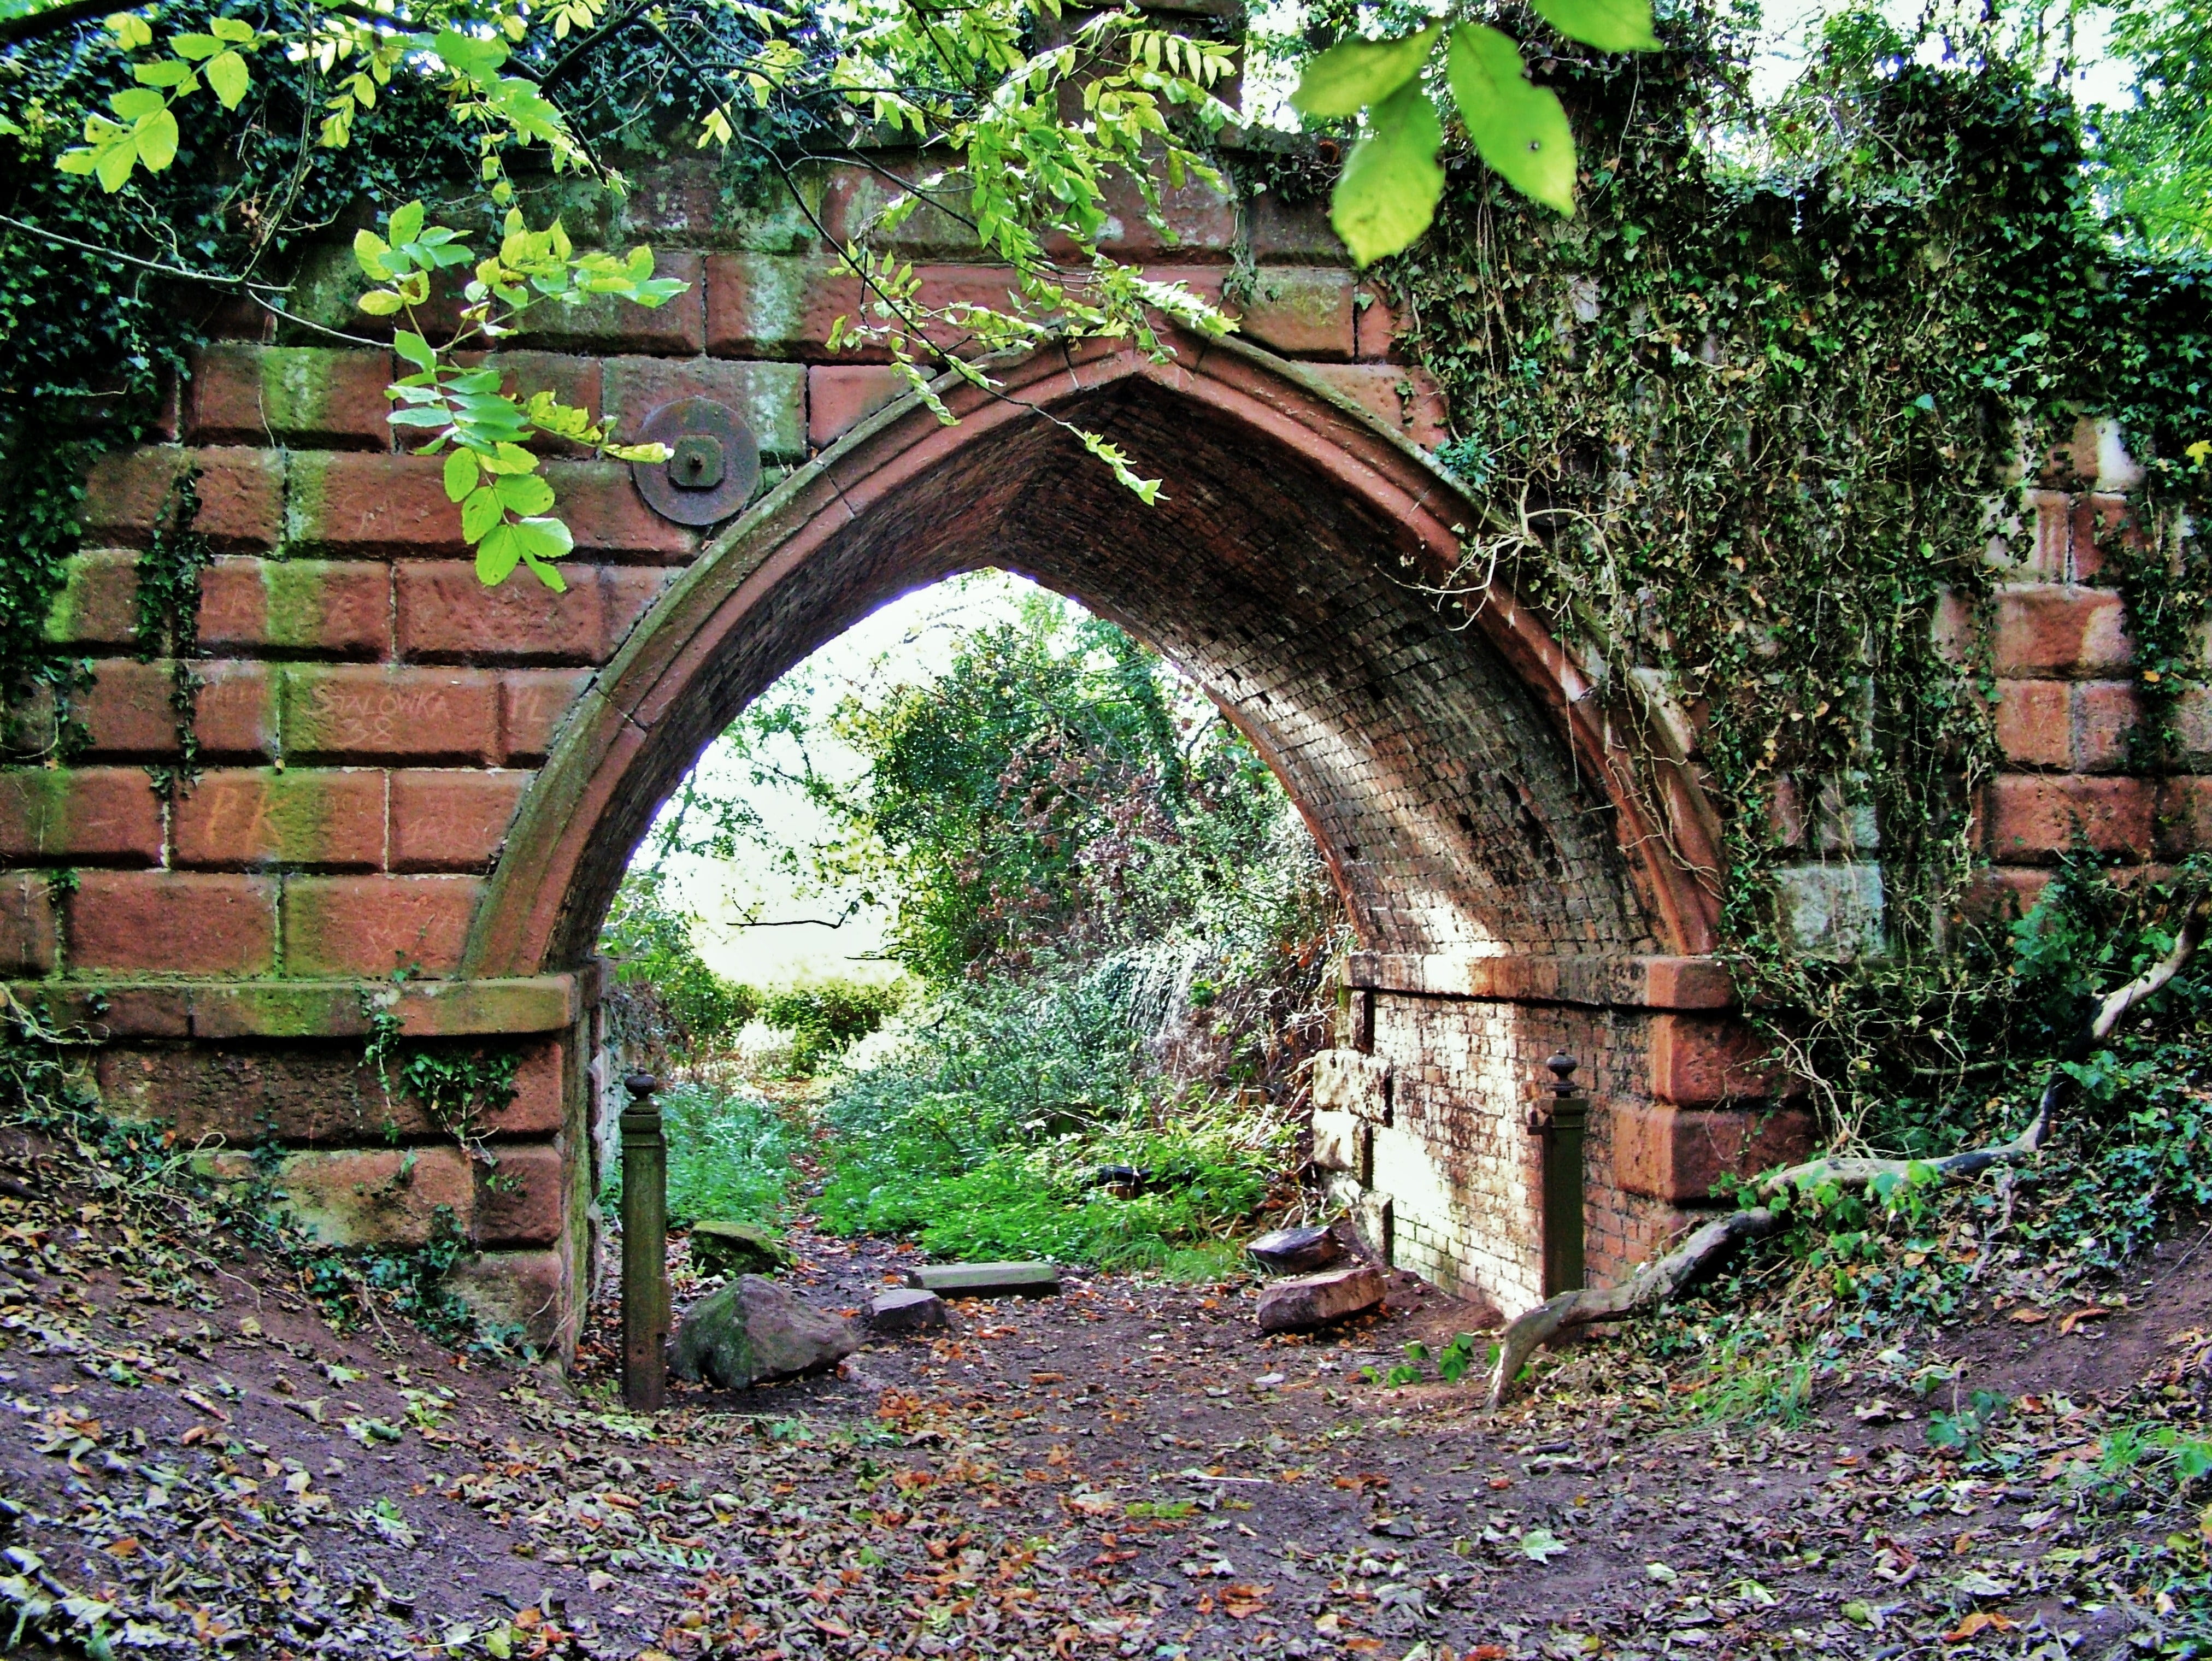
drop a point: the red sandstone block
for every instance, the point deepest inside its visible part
(676, 328)
(290, 395)
(540, 1107)
(174, 922)
(446, 615)
(573, 381)
(2192, 726)
(1682, 1155)
(2105, 715)
(531, 703)
(522, 1200)
(2045, 630)
(371, 925)
(1407, 399)
(356, 505)
(770, 398)
(2032, 819)
(97, 816)
(629, 594)
(608, 518)
(1301, 312)
(451, 820)
(97, 604)
(533, 1290)
(236, 716)
(2000, 895)
(2099, 525)
(296, 605)
(28, 933)
(2035, 723)
(1374, 324)
(777, 306)
(241, 493)
(1201, 221)
(2052, 512)
(841, 396)
(1698, 1059)
(1279, 232)
(377, 1196)
(2184, 817)
(251, 819)
(348, 711)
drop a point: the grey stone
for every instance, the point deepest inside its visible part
(908, 1309)
(1296, 1250)
(1347, 1082)
(1292, 1305)
(986, 1280)
(736, 1248)
(753, 1330)
(1341, 1143)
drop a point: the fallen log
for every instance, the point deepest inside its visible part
(1654, 1284)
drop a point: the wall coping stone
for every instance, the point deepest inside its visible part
(1636, 983)
(313, 1009)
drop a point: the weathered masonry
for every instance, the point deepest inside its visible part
(417, 795)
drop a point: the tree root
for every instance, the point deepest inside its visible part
(1655, 1283)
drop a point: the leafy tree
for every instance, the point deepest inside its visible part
(2157, 154)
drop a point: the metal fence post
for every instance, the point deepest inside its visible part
(1562, 1128)
(645, 1311)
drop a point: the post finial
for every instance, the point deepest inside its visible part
(640, 1085)
(1563, 1067)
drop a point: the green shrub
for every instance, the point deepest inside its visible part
(729, 1155)
(824, 1017)
(688, 1008)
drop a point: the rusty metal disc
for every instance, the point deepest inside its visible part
(714, 471)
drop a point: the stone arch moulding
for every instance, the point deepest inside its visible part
(1279, 490)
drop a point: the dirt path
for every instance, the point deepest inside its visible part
(1128, 1469)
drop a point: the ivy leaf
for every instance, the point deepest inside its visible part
(497, 555)
(1608, 25)
(460, 476)
(227, 74)
(155, 137)
(1353, 75)
(524, 492)
(480, 513)
(1520, 131)
(1387, 193)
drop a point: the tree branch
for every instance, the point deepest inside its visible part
(1655, 1282)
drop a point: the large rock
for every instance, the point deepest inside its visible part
(736, 1248)
(1316, 1300)
(753, 1330)
(908, 1309)
(1296, 1250)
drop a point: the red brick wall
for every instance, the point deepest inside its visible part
(392, 775)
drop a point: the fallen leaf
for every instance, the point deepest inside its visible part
(2074, 1318)
(1980, 1620)
(2029, 1315)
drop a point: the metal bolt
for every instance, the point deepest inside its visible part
(696, 462)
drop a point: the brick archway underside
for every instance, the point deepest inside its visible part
(1468, 790)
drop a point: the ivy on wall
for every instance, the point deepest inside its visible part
(1747, 429)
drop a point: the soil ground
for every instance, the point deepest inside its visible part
(1128, 1469)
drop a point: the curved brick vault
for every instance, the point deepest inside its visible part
(1470, 793)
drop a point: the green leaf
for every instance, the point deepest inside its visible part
(134, 102)
(1541, 1545)
(1608, 25)
(497, 555)
(196, 46)
(116, 161)
(1353, 75)
(461, 475)
(162, 72)
(156, 137)
(379, 302)
(524, 492)
(416, 349)
(544, 539)
(1520, 129)
(368, 252)
(1388, 192)
(236, 30)
(228, 76)
(406, 223)
(480, 512)
(130, 32)
(477, 59)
